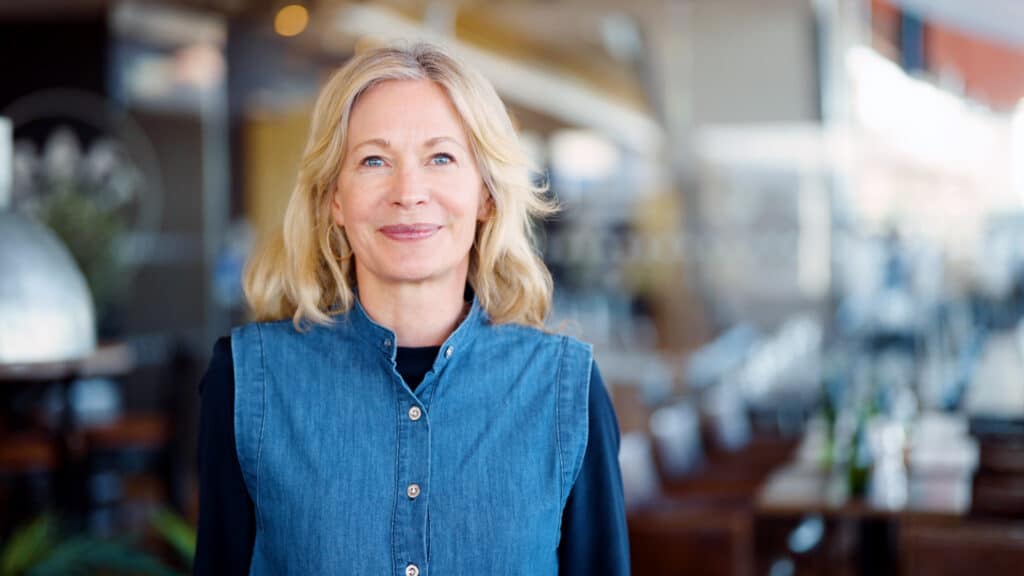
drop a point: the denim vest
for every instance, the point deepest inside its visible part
(353, 473)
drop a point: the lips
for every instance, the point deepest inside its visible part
(409, 232)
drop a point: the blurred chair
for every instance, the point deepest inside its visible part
(128, 470)
(726, 410)
(640, 483)
(723, 355)
(696, 516)
(675, 429)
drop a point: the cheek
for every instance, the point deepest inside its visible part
(472, 194)
(361, 243)
(360, 231)
(356, 205)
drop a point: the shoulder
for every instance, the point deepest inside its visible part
(257, 329)
(569, 358)
(532, 336)
(285, 332)
(603, 422)
(220, 372)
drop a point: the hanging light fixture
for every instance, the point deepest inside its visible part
(46, 310)
(291, 20)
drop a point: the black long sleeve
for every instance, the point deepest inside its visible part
(227, 516)
(594, 536)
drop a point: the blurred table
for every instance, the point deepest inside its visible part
(920, 471)
(798, 489)
(924, 468)
(112, 359)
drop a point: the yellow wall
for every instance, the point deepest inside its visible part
(272, 144)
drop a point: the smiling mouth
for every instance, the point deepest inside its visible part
(409, 232)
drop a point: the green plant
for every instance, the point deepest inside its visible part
(91, 234)
(43, 548)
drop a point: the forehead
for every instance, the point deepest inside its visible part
(414, 107)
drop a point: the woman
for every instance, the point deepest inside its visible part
(397, 408)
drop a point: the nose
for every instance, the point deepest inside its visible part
(409, 189)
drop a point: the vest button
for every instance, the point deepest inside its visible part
(415, 413)
(412, 570)
(448, 352)
(413, 491)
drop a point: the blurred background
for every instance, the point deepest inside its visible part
(792, 229)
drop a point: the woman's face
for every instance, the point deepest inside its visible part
(409, 194)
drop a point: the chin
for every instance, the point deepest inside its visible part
(414, 268)
(414, 273)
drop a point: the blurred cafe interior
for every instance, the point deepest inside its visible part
(793, 231)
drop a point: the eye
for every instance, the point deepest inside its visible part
(372, 162)
(442, 159)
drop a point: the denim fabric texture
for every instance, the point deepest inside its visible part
(348, 479)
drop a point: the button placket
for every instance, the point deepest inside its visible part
(413, 476)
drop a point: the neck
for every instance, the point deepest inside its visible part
(420, 313)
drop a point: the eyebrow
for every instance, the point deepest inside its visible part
(438, 139)
(373, 142)
(382, 143)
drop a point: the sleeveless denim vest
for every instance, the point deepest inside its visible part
(353, 473)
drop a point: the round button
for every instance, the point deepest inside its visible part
(387, 343)
(412, 570)
(413, 491)
(415, 413)
(448, 352)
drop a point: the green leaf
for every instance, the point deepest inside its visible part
(28, 545)
(177, 532)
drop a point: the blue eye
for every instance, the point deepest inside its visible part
(441, 159)
(372, 162)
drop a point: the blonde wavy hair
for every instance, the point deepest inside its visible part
(306, 271)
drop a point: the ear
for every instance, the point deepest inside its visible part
(486, 208)
(336, 211)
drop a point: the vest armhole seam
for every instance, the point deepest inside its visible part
(263, 422)
(562, 493)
